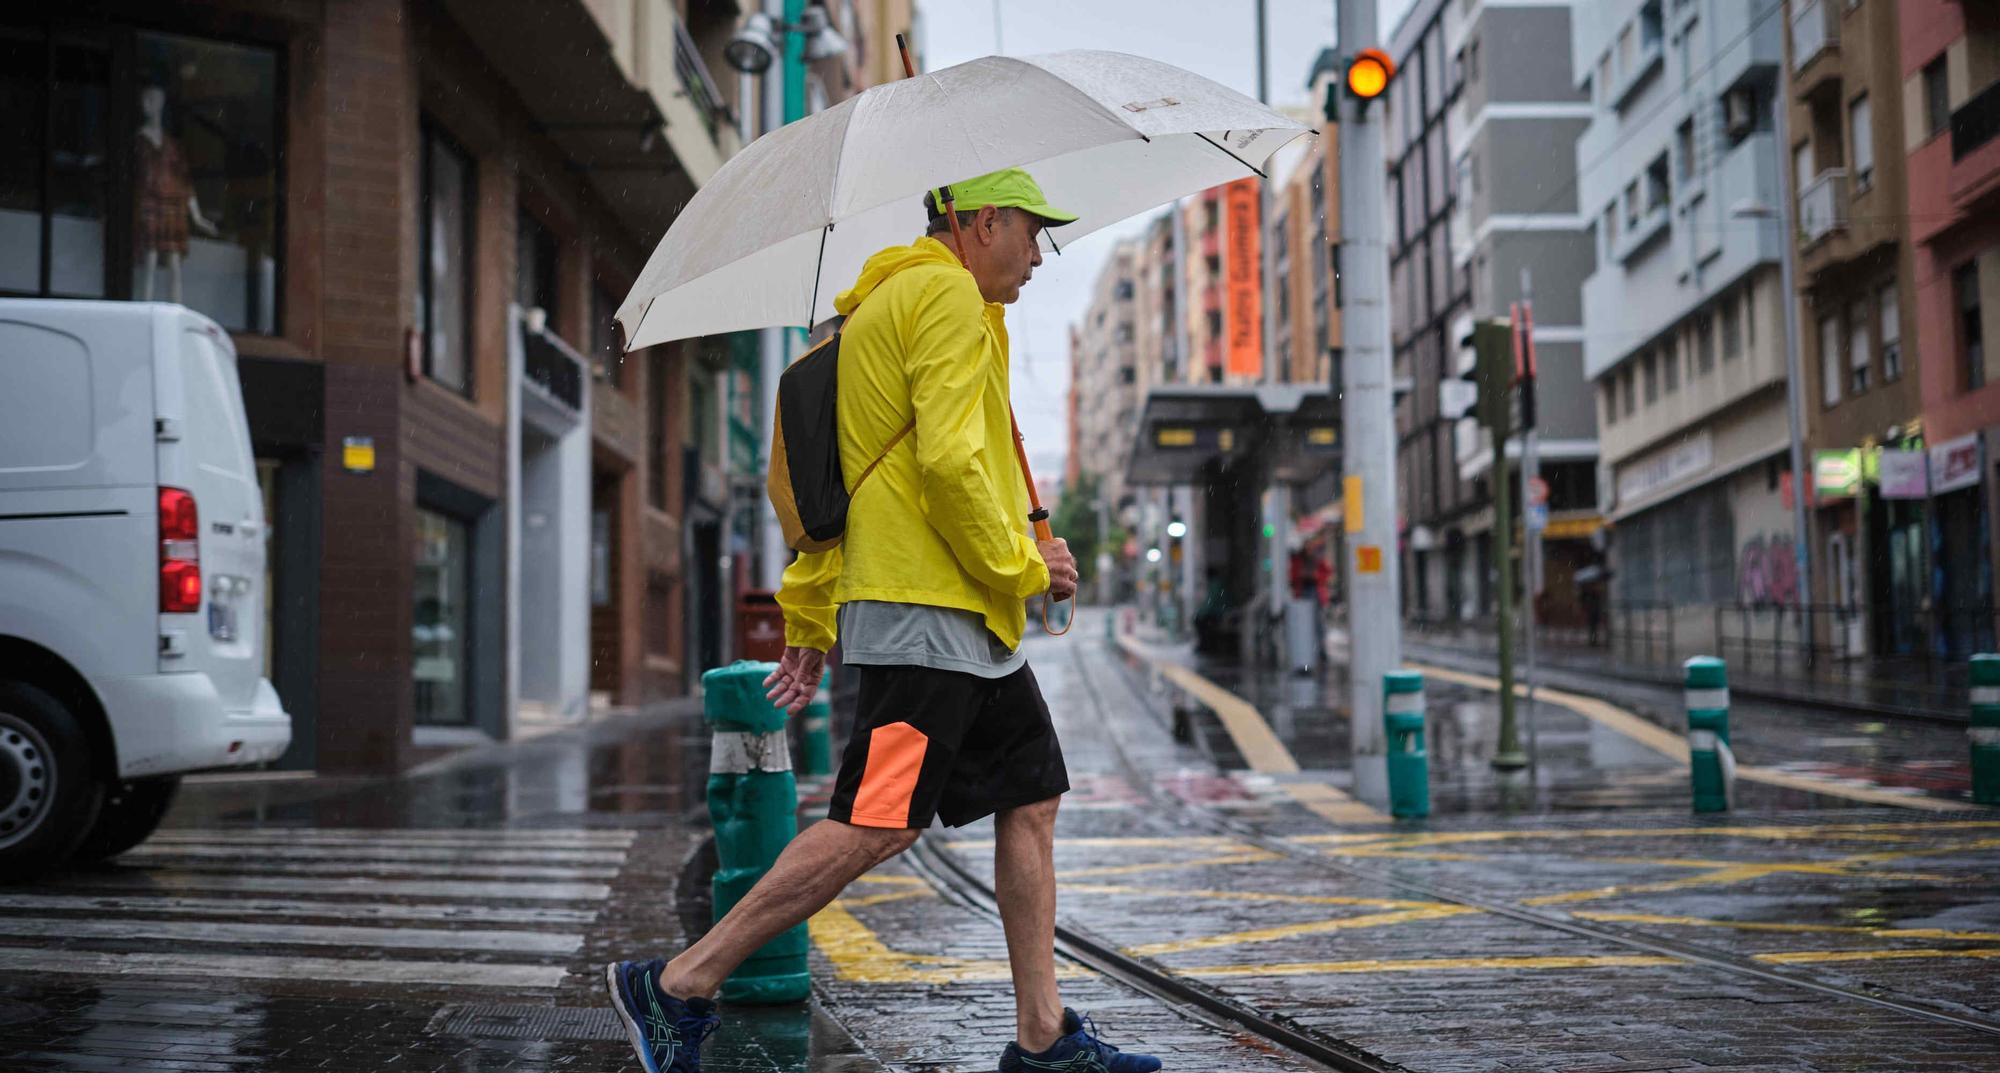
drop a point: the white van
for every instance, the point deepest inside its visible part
(132, 539)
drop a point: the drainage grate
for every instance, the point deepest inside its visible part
(527, 1022)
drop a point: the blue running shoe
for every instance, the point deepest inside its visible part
(666, 1032)
(1078, 1051)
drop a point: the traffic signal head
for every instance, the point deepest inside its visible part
(1368, 73)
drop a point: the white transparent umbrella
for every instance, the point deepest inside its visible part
(786, 223)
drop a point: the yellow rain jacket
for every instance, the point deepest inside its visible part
(943, 520)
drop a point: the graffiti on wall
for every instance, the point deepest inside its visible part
(1766, 571)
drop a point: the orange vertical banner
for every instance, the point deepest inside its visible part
(1243, 273)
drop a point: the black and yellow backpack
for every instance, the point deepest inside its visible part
(807, 488)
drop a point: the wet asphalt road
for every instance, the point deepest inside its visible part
(454, 918)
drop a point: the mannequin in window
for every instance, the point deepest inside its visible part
(165, 200)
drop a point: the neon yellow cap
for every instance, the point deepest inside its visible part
(1007, 188)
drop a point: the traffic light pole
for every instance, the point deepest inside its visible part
(1532, 492)
(1367, 412)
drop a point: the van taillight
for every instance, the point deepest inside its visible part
(180, 553)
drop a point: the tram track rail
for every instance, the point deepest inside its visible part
(1186, 815)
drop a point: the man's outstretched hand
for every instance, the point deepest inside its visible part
(792, 685)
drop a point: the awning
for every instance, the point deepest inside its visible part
(1187, 431)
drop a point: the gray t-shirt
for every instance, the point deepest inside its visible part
(941, 638)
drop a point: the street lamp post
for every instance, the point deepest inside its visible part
(1785, 214)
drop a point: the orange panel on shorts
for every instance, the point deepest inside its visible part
(895, 759)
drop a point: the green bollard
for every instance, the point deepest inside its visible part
(818, 729)
(1985, 729)
(1711, 765)
(1409, 760)
(753, 800)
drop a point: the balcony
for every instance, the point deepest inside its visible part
(1650, 59)
(1975, 122)
(1823, 206)
(1815, 30)
(700, 87)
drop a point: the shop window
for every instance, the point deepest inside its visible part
(439, 639)
(1704, 342)
(444, 272)
(1888, 314)
(186, 196)
(1631, 383)
(1650, 371)
(1609, 389)
(1670, 366)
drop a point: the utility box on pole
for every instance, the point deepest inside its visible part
(1372, 567)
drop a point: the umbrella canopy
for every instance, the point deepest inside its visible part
(787, 223)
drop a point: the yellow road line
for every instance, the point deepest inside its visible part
(1331, 804)
(1674, 747)
(1879, 832)
(1188, 842)
(903, 895)
(1260, 746)
(1289, 931)
(1836, 929)
(1600, 961)
(1246, 896)
(859, 955)
(1246, 726)
(1257, 856)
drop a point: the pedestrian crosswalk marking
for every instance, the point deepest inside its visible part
(397, 938)
(423, 836)
(272, 907)
(222, 849)
(307, 970)
(361, 866)
(390, 907)
(413, 888)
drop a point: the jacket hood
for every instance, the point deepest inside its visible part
(888, 262)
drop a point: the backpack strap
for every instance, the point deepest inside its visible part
(890, 446)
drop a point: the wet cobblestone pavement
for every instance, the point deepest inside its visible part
(455, 919)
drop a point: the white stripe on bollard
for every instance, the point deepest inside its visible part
(1984, 735)
(1984, 695)
(1702, 741)
(1404, 704)
(1707, 700)
(738, 752)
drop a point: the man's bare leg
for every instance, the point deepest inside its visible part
(1024, 883)
(812, 871)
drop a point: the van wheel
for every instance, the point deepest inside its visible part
(48, 796)
(133, 808)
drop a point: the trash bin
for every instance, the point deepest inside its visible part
(760, 627)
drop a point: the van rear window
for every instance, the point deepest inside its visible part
(215, 436)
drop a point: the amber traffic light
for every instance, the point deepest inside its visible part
(1368, 73)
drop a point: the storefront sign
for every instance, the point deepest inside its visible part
(1836, 474)
(1955, 464)
(1676, 464)
(1243, 269)
(1903, 474)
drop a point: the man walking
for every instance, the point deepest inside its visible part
(927, 592)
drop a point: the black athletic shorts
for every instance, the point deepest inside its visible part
(946, 744)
